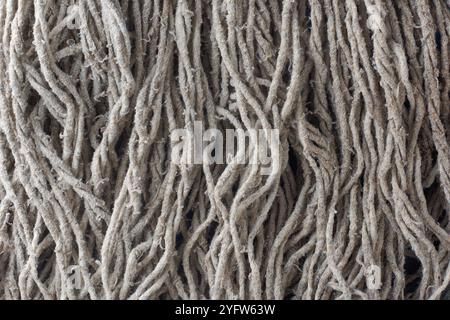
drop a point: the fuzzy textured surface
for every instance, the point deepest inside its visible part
(92, 207)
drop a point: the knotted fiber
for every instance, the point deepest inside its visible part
(92, 207)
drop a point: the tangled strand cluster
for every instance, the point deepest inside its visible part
(90, 91)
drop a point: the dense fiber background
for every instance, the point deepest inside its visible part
(92, 207)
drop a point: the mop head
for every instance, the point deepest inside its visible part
(257, 149)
